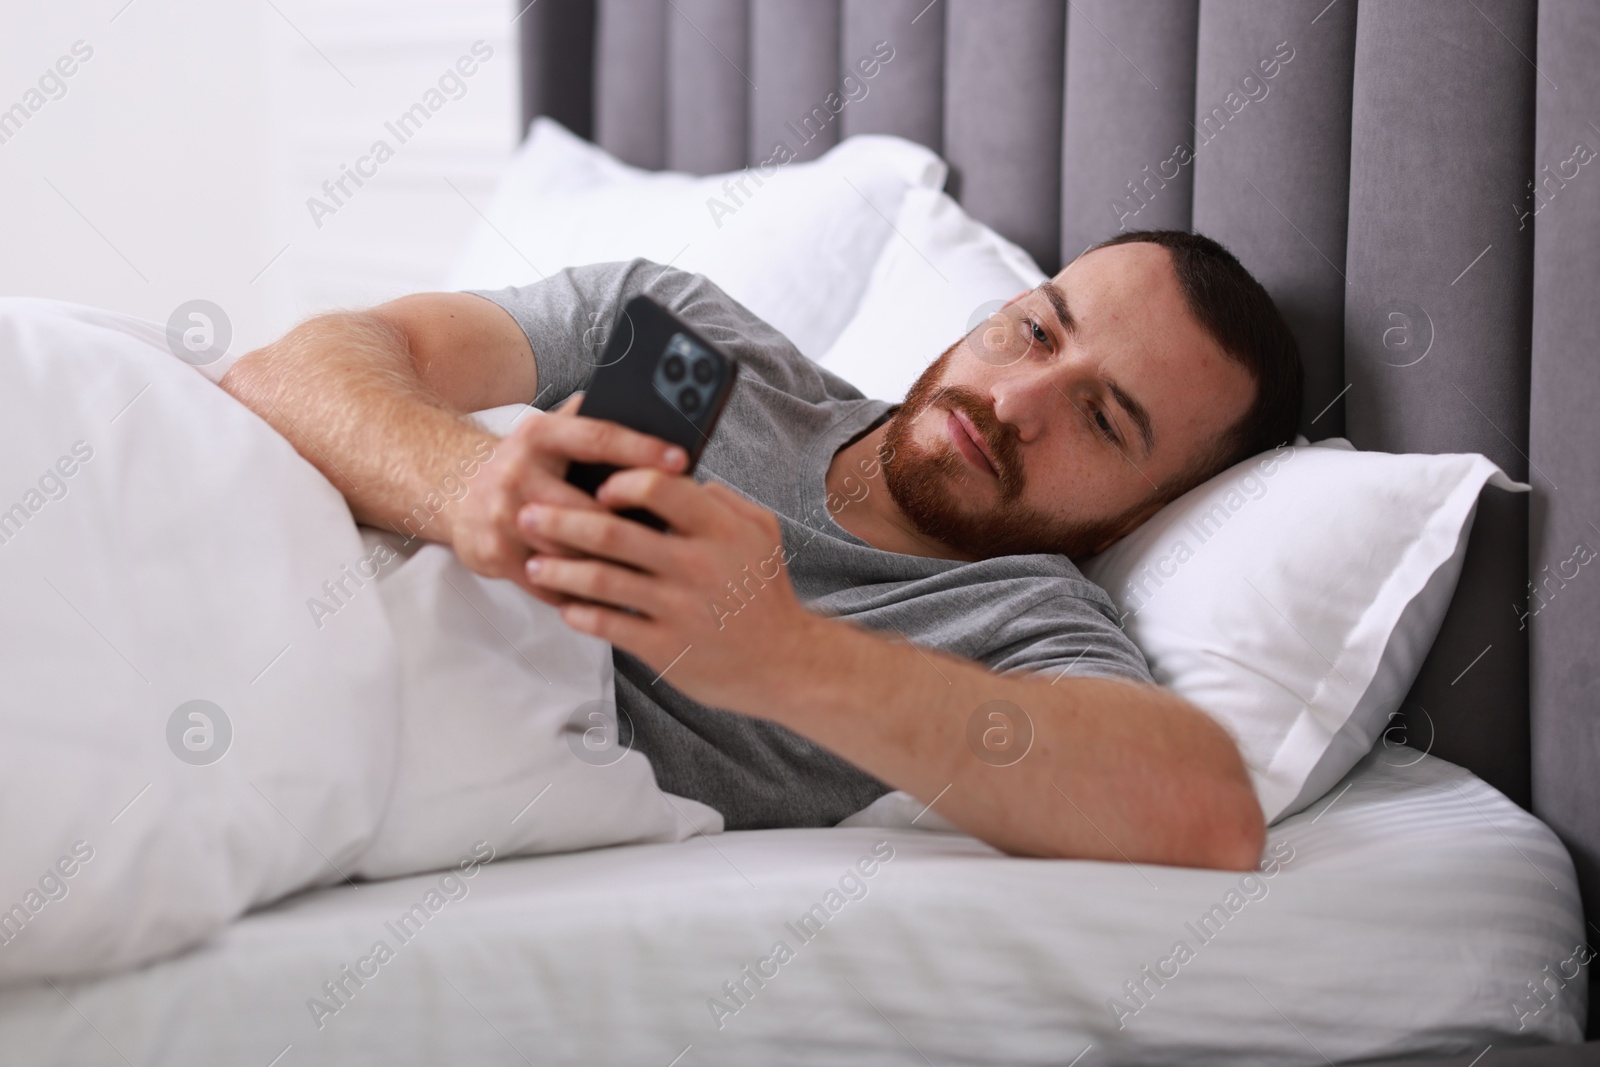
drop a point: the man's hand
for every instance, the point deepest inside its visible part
(710, 602)
(529, 467)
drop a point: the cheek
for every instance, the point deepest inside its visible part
(990, 343)
(1083, 481)
(968, 364)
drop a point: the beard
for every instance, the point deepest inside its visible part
(922, 482)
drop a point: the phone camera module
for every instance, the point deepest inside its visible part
(686, 376)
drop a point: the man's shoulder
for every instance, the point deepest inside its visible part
(590, 299)
(1041, 577)
(609, 285)
(1002, 596)
(1027, 613)
(1055, 618)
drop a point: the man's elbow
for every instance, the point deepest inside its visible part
(1217, 807)
(1235, 833)
(1218, 810)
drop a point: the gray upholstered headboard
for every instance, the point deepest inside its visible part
(1407, 182)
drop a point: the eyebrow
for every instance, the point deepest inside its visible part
(1136, 411)
(1058, 303)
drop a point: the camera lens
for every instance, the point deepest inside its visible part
(672, 367)
(704, 371)
(689, 399)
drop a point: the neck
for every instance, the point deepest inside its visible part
(868, 510)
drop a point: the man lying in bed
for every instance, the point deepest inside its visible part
(849, 585)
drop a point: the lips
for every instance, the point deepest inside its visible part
(970, 443)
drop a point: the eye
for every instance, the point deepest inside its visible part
(1103, 424)
(1039, 336)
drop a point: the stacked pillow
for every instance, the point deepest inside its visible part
(794, 243)
(942, 274)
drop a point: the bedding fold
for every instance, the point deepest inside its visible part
(218, 691)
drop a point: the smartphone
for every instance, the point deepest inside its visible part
(657, 376)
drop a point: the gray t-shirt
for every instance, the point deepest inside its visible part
(779, 432)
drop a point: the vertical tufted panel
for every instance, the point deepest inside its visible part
(557, 56)
(1565, 438)
(1437, 314)
(907, 96)
(708, 84)
(1272, 167)
(1006, 60)
(794, 58)
(1129, 105)
(630, 84)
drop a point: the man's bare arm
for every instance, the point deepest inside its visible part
(1116, 771)
(375, 400)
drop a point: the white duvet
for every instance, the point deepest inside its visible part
(217, 690)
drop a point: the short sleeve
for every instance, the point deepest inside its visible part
(568, 317)
(1069, 631)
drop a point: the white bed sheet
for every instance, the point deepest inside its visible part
(1416, 907)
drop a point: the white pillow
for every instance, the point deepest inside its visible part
(795, 243)
(1294, 597)
(938, 277)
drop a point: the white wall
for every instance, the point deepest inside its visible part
(178, 162)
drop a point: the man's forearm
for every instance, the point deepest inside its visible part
(344, 390)
(1115, 771)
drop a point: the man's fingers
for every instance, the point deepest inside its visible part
(575, 437)
(594, 580)
(548, 547)
(549, 596)
(538, 487)
(600, 534)
(683, 504)
(609, 624)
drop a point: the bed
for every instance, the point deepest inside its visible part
(950, 953)
(1411, 910)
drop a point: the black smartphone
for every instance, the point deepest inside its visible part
(658, 376)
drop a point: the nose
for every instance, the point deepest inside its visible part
(1028, 391)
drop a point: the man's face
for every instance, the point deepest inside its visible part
(1051, 425)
